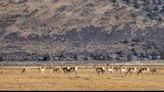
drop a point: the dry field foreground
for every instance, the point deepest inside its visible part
(87, 79)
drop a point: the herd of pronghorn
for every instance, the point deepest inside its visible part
(126, 70)
(98, 69)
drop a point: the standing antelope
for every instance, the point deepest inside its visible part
(143, 70)
(2, 71)
(116, 68)
(70, 70)
(100, 70)
(23, 70)
(42, 70)
(110, 69)
(131, 70)
(123, 70)
(154, 70)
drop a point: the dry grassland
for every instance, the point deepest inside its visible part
(87, 79)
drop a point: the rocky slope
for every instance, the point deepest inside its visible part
(119, 30)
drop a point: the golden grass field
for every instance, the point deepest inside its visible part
(87, 79)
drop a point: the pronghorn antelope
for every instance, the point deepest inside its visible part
(143, 70)
(154, 70)
(70, 70)
(2, 71)
(123, 70)
(110, 69)
(100, 70)
(42, 70)
(131, 70)
(55, 69)
(23, 70)
(116, 68)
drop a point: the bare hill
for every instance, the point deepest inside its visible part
(121, 30)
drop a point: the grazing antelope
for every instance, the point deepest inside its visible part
(70, 70)
(131, 70)
(55, 69)
(2, 71)
(143, 70)
(42, 70)
(23, 70)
